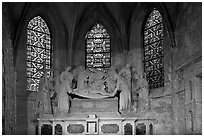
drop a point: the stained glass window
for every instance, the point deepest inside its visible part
(38, 52)
(98, 48)
(153, 50)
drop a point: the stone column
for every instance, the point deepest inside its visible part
(39, 128)
(53, 127)
(147, 128)
(8, 77)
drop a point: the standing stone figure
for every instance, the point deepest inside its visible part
(125, 94)
(45, 93)
(135, 95)
(57, 83)
(65, 88)
(126, 73)
(143, 92)
(66, 75)
(76, 71)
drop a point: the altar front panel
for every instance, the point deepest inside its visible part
(95, 126)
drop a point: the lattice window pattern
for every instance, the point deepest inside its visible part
(153, 50)
(98, 48)
(38, 52)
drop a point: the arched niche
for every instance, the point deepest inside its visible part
(92, 15)
(136, 53)
(25, 100)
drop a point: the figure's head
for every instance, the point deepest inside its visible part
(93, 70)
(140, 76)
(50, 77)
(81, 68)
(45, 74)
(68, 68)
(136, 75)
(134, 69)
(128, 65)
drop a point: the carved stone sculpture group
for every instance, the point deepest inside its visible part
(90, 83)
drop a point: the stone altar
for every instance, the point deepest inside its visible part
(95, 126)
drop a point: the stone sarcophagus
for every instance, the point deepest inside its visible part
(101, 107)
(90, 90)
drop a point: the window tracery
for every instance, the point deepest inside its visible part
(98, 49)
(153, 50)
(38, 52)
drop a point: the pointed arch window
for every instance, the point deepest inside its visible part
(153, 50)
(38, 52)
(98, 48)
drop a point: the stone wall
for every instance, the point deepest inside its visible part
(188, 70)
(188, 33)
(160, 98)
(26, 101)
(171, 106)
(9, 77)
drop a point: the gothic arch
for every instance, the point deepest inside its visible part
(24, 99)
(153, 45)
(167, 22)
(139, 18)
(99, 55)
(39, 52)
(90, 16)
(52, 21)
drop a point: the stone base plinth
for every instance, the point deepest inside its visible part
(102, 107)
